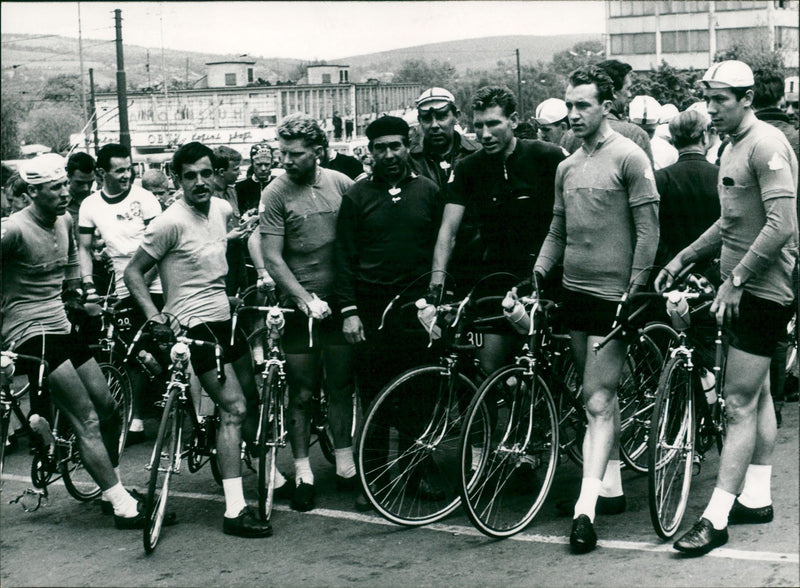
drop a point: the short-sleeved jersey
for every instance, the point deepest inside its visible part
(36, 259)
(189, 248)
(757, 165)
(510, 199)
(121, 222)
(305, 216)
(595, 191)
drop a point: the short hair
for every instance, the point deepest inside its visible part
(107, 152)
(17, 185)
(687, 128)
(490, 96)
(593, 74)
(302, 126)
(525, 130)
(153, 177)
(616, 70)
(80, 161)
(768, 90)
(223, 156)
(189, 153)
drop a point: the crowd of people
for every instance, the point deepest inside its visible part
(597, 200)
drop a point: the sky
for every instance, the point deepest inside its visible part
(302, 30)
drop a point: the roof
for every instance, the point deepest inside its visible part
(243, 62)
(326, 65)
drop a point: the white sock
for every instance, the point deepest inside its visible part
(612, 480)
(124, 504)
(345, 466)
(590, 489)
(302, 471)
(137, 426)
(279, 479)
(719, 507)
(116, 471)
(756, 492)
(234, 497)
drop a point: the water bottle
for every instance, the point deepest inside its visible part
(708, 382)
(516, 314)
(426, 314)
(41, 427)
(6, 366)
(179, 354)
(678, 311)
(149, 363)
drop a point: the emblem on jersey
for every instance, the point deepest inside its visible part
(444, 165)
(776, 163)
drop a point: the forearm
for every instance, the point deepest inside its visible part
(645, 221)
(442, 251)
(285, 279)
(553, 247)
(705, 246)
(780, 225)
(85, 261)
(134, 279)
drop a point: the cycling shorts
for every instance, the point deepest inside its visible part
(58, 348)
(326, 333)
(589, 314)
(761, 324)
(203, 358)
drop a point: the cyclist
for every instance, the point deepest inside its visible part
(38, 255)
(507, 187)
(119, 213)
(187, 242)
(298, 228)
(758, 233)
(605, 226)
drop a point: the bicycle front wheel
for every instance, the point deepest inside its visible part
(119, 386)
(77, 480)
(268, 433)
(671, 448)
(164, 462)
(5, 420)
(408, 450)
(509, 451)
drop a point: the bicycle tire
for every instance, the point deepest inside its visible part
(5, 422)
(571, 414)
(321, 428)
(119, 386)
(671, 447)
(271, 395)
(408, 449)
(213, 460)
(164, 461)
(506, 478)
(636, 393)
(78, 482)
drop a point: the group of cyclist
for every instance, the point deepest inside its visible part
(444, 207)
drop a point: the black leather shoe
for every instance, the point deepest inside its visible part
(134, 437)
(303, 497)
(347, 484)
(743, 515)
(613, 505)
(701, 538)
(139, 521)
(108, 509)
(362, 503)
(286, 491)
(582, 539)
(246, 525)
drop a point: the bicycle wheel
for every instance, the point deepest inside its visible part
(509, 451)
(571, 414)
(408, 449)
(268, 434)
(636, 394)
(5, 420)
(321, 428)
(164, 462)
(671, 448)
(119, 385)
(77, 480)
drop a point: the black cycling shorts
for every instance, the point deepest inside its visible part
(203, 358)
(761, 324)
(326, 333)
(588, 314)
(58, 349)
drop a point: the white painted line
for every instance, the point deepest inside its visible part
(721, 552)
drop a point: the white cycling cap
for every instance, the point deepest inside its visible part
(728, 74)
(644, 110)
(44, 168)
(551, 111)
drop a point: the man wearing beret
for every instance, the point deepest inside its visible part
(248, 191)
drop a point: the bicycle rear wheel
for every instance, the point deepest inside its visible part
(119, 386)
(671, 448)
(5, 420)
(77, 480)
(571, 413)
(164, 462)
(408, 450)
(636, 394)
(509, 452)
(268, 433)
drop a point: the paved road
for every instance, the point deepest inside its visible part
(69, 544)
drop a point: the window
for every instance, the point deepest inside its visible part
(230, 79)
(632, 8)
(684, 41)
(744, 37)
(724, 5)
(786, 38)
(343, 76)
(250, 78)
(326, 78)
(634, 43)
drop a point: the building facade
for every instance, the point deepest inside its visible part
(687, 34)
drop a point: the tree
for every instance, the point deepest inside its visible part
(51, 124)
(580, 54)
(668, 85)
(427, 74)
(63, 88)
(11, 114)
(756, 55)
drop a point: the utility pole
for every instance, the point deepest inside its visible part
(93, 113)
(83, 81)
(519, 90)
(147, 68)
(186, 84)
(122, 90)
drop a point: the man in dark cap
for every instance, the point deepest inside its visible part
(248, 191)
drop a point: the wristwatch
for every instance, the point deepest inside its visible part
(736, 281)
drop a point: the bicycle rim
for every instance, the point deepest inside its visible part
(636, 394)
(120, 388)
(408, 450)
(164, 461)
(671, 448)
(509, 451)
(77, 480)
(267, 442)
(5, 420)
(571, 414)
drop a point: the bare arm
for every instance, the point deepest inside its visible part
(445, 241)
(254, 247)
(85, 255)
(136, 281)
